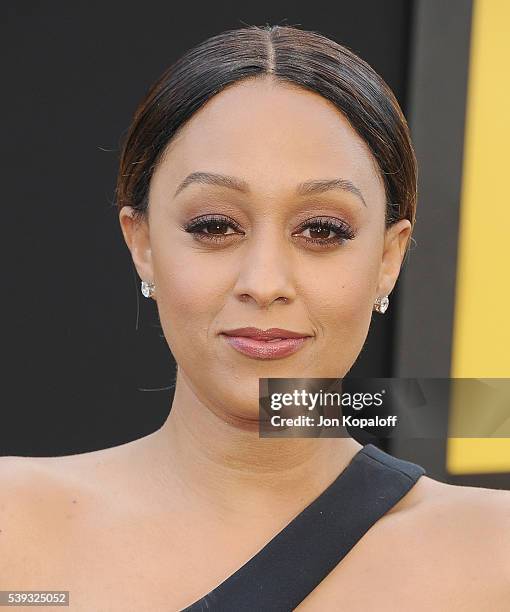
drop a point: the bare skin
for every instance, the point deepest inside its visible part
(157, 523)
(97, 525)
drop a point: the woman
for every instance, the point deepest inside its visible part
(267, 181)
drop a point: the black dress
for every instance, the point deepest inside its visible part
(302, 554)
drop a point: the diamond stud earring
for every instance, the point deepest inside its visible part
(148, 289)
(381, 304)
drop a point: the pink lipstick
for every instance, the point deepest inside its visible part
(273, 343)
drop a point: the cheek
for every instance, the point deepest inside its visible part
(341, 301)
(343, 305)
(189, 293)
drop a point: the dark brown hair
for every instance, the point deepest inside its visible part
(306, 59)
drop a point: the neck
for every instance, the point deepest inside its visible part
(231, 469)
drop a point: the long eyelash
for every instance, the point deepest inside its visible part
(342, 229)
(197, 226)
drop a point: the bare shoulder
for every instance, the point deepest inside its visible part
(470, 527)
(476, 513)
(38, 480)
(30, 485)
(441, 547)
(28, 475)
(482, 518)
(474, 522)
(27, 491)
(459, 539)
(42, 500)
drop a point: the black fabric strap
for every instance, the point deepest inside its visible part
(298, 558)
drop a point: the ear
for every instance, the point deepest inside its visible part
(136, 235)
(395, 243)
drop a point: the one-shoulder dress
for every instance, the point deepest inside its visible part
(288, 568)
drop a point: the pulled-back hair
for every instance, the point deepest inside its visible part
(285, 53)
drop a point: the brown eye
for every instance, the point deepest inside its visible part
(319, 232)
(212, 228)
(216, 227)
(326, 231)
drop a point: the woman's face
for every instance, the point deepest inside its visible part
(263, 261)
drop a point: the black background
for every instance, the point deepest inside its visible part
(80, 342)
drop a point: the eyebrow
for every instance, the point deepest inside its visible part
(311, 187)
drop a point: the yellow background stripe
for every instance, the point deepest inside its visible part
(481, 333)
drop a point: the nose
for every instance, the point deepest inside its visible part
(266, 270)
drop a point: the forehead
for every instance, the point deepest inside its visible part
(273, 135)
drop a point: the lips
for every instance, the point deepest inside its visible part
(274, 333)
(273, 343)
